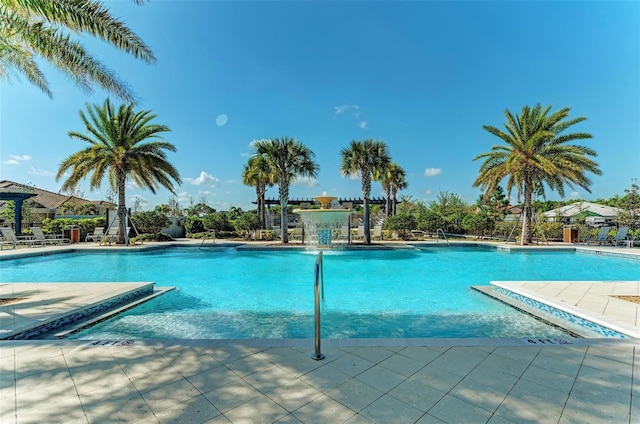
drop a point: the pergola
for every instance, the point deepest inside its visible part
(18, 197)
(298, 202)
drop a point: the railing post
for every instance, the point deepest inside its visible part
(318, 279)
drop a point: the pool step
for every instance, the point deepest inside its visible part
(86, 324)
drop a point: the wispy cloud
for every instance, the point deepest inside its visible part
(16, 159)
(355, 176)
(204, 179)
(574, 195)
(349, 109)
(306, 182)
(432, 172)
(341, 109)
(427, 191)
(41, 172)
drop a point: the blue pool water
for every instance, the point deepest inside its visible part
(226, 293)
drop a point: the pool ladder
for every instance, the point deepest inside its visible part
(318, 293)
(441, 231)
(210, 234)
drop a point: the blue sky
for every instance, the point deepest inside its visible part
(421, 76)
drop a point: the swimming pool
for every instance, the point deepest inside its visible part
(226, 293)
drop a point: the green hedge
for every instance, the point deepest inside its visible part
(86, 225)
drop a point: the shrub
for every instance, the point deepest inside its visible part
(193, 225)
(86, 225)
(403, 224)
(151, 222)
(247, 223)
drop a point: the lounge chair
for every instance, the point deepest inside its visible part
(296, 233)
(377, 232)
(601, 237)
(620, 235)
(96, 236)
(10, 238)
(39, 235)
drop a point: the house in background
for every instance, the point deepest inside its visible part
(596, 215)
(47, 204)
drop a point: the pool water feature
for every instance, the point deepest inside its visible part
(226, 293)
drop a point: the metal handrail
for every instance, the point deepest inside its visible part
(440, 230)
(209, 232)
(318, 288)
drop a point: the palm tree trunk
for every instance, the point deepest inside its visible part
(259, 205)
(366, 192)
(387, 207)
(394, 208)
(122, 209)
(284, 199)
(526, 236)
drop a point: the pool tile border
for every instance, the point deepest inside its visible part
(573, 320)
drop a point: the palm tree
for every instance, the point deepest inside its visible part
(366, 158)
(383, 177)
(397, 181)
(118, 148)
(32, 29)
(288, 159)
(392, 179)
(258, 174)
(536, 155)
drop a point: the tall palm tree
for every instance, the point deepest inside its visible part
(365, 158)
(383, 177)
(33, 29)
(397, 178)
(288, 159)
(258, 174)
(119, 149)
(536, 155)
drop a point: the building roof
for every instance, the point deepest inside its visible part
(47, 199)
(592, 209)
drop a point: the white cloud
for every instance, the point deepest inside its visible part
(362, 124)
(339, 110)
(183, 198)
(16, 159)
(204, 179)
(574, 195)
(41, 172)
(432, 172)
(427, 191)
(306, 182)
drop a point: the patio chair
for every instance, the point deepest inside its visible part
(10, 238)
(601, 237)
(96, 236)
(620, 235)
(39, 235)
(377, 232)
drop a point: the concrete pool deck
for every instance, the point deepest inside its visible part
(360, 381)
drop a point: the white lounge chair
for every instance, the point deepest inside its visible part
(377, 232)
(96, 236)
(39, 235)
(10, 238)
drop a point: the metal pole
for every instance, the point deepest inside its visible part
(316, 295)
